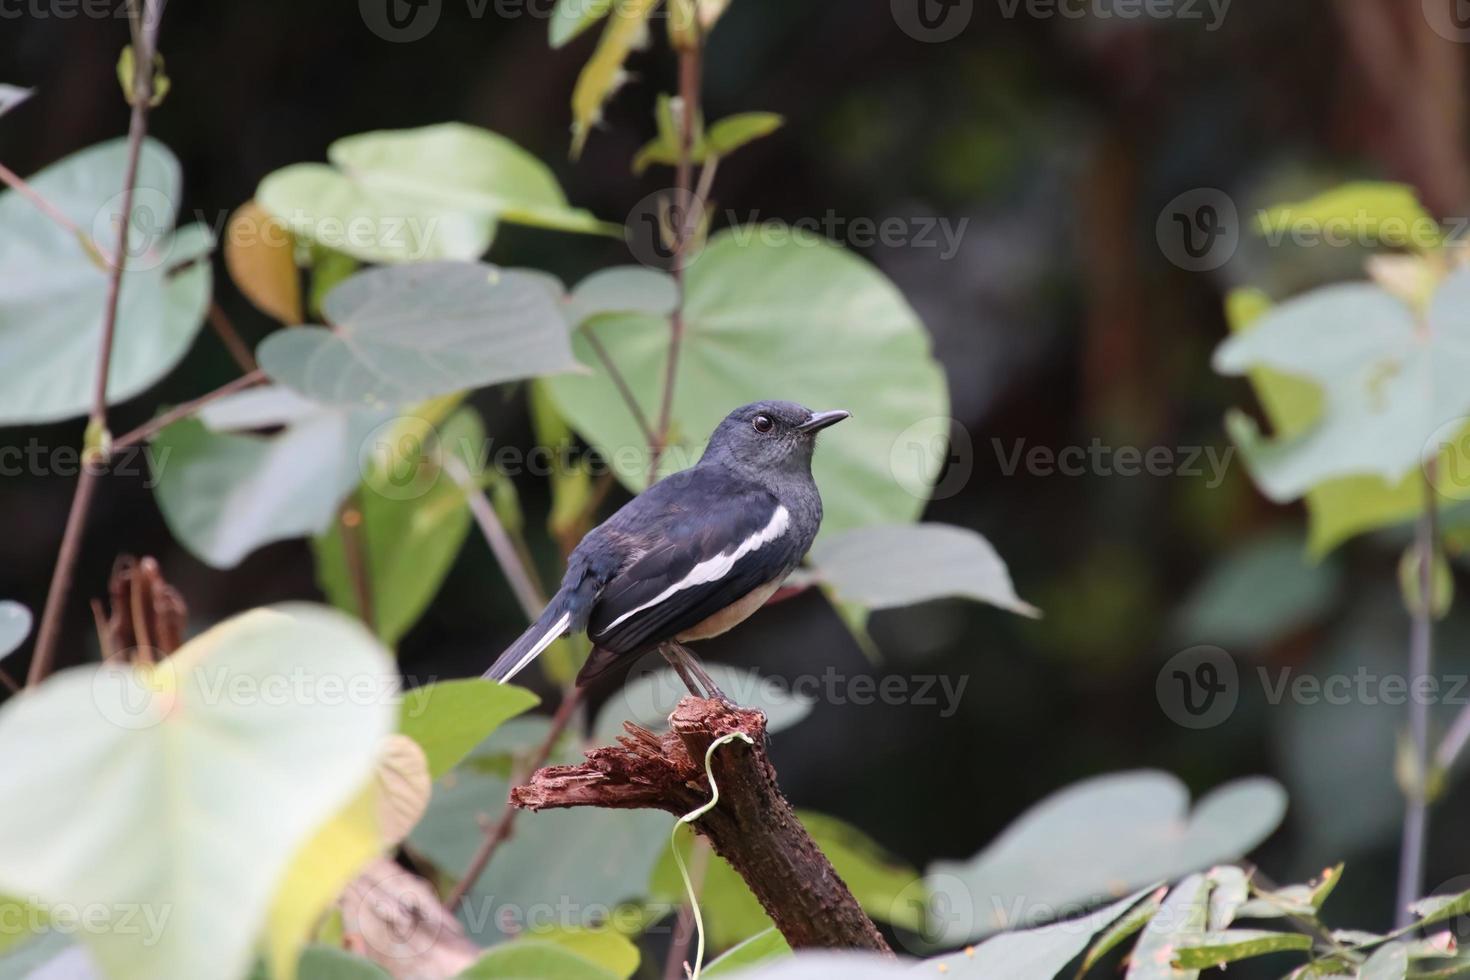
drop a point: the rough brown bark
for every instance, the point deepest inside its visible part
(753, 827)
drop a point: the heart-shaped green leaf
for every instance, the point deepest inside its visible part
(779, 318)
(419, 194)
(55, 286)
(224, 494)
(1390, 382)
(296, 698)
(403, 334)
(624, 289)
(902, 564)
(1096, 838)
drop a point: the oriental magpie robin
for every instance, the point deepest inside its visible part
(695, 553)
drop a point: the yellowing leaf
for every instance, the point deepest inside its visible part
(603, 73)
(260, 256)
(321, 869)
(404, 786)
(1376, 212)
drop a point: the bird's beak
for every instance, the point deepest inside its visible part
(820, 420)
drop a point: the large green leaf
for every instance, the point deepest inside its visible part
(54, 287)
(225, 493)
(1097, 838)
(203, 775)
(411, 530)
(902, 564)
(438, 192)
(1389, 383)
(403, 334)
(449, 718)
(779, 319)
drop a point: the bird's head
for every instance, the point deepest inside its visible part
(770, 436)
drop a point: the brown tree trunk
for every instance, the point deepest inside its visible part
(753, 827)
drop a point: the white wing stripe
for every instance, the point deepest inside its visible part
(716, 568)
(556, 629)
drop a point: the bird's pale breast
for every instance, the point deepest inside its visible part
(733, 614)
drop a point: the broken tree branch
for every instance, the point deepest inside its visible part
(753, 828)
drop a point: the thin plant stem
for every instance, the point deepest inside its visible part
(145, 34)
(185, 410)
(530, 596)
(61, 575)
(621, 383)
(689, 84)
(1421, 658)
(355, 557)
(225, 330)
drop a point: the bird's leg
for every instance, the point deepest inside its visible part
(692, 664)
(681, 668)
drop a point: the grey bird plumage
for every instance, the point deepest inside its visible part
(697, 552)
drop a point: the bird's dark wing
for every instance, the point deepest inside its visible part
(704, 543)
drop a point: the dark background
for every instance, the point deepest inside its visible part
(1060, 319)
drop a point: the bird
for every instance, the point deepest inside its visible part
(693, 555)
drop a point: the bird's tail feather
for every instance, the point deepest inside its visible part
(554, 623)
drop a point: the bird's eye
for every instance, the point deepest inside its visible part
(763, 423)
